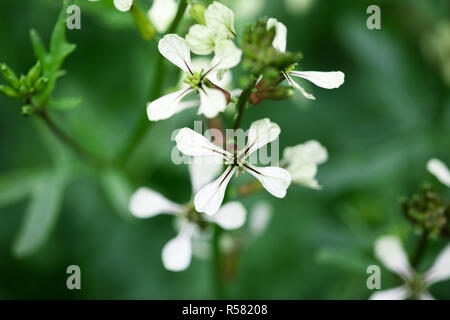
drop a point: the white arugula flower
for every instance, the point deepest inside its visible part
(327, 80)
(274, 179)
(204, 39)
(213, 99)
(123, 5)
(176, 254)
(437, 168)
(391, 253)
(302, 161)
(162, 13)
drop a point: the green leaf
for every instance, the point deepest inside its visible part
(118, 190)
(18, 184)
(59, 50)
(38, 47)
(41, 214)
(65, 103)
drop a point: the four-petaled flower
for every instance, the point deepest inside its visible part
(327, 80)
(302, 160)
(213, 99)
(176, 254)
(439, 170)
(274, 179)
(390, 251)
(204, 39)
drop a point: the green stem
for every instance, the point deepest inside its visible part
(420, 250)
(74, 146)
(242, 105)
(143, 24)
(219, 286)
(159, 74)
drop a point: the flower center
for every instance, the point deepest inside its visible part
(194, 80)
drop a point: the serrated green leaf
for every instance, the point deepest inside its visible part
(18, 184)
(118, 190)
(41, 214)
(65, 103)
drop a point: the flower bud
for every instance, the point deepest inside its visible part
(8, 91)
(428, 213)
(9, 76)
(26, 110)
(197, 12)
(277, 93)
(34, 73)
(40, 84)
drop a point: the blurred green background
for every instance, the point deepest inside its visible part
(391, 115)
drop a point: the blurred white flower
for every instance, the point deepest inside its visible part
(204, 39)
(274, 179)
(162, 13)
(213, 99)
(123, 5)
(437, 168)
(302, 160)
(391, 253)
(327, 80)
(298, 6)
(259, 219)
(176, 254)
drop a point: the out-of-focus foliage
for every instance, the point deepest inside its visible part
(391, 115)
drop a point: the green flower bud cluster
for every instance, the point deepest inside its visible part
(428, 213)
(25, 86)
(260, 57)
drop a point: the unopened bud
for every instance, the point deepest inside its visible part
(26, 110)
(197, 12)
(276, 93)
(8, 91)
(40, 84)
(34, 73)
(10, 76)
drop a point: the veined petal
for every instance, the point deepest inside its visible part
(146, 203)
(212, 101)
(279, 42)
(210, 197)
(174, 49)
(390, 252)
(227, 56)
(275, 180)
(200, 39)
(166, 106)
(441, 268)
(123, 5)
(439, 170)
(203, 170)
(261, 132)
(162, 13)
(230, 216)
(298, 87)
(193, 143)
(176, 254)
(220, 19)
(327, 80)
(399, 293)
